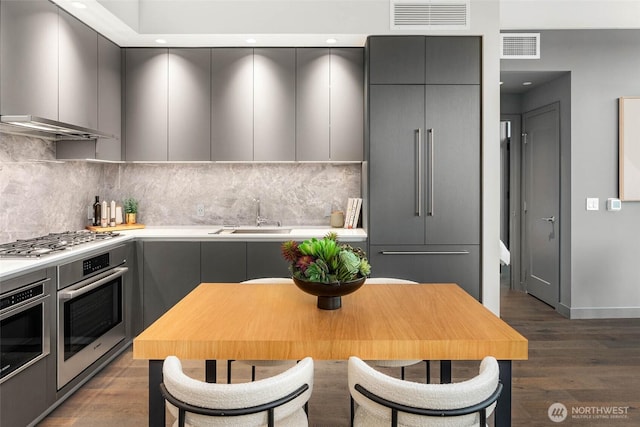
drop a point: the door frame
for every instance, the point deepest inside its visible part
(515, 200)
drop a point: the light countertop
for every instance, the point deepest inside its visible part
(11, 267)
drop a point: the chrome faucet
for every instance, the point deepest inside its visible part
(259, 218)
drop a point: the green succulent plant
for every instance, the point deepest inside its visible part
(325, 260)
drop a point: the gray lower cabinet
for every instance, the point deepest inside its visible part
(264, 259)
(223, 262)
(29, 58)
(170, 271)
(429, 264)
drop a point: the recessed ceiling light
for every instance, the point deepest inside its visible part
(79, 5)
(251, 41)
(332, 41)
(161, 41)
(527, 83)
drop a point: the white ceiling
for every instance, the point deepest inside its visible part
(311, 22)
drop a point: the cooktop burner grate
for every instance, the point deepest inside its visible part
(53, 242)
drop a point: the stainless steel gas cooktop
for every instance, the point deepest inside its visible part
(54, 242)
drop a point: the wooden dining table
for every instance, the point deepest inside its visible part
(221, 321)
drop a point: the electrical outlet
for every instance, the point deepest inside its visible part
(200, 210)
(89, 212)
(327, 210)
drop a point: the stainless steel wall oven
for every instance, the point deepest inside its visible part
(24, 327)
(90, 310)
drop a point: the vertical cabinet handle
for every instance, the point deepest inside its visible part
(418, 160)
(430, 209)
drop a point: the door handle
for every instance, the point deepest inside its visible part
(432, 163)
(418, 195)
(550, 219)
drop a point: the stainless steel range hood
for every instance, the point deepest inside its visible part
(40, 127)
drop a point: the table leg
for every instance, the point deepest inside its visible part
(445, 371)
(156, 401)
(211, 371)
(503, 406)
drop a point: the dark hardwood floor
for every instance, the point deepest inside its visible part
(592, 367)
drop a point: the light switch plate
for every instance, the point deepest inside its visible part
(593, 203)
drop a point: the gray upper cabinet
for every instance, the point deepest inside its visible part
(329, 104)
(347, 104)
(29, 58)
(274, 104)
(397, 60)
(146, 100)
(453, 60)
(109, 99)
(78, 73)
(189, 104)
(313, 79)
(232, 104)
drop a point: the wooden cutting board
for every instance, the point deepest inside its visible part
(121, 227)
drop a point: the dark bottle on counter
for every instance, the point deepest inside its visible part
(97, 212)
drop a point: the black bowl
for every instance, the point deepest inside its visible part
(329, 294)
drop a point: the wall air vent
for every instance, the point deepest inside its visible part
(520, 45)
(429, 14)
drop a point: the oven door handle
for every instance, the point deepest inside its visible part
(90, 284)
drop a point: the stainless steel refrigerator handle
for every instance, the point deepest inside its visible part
(418, 196)
(424, 252)
(431, 172)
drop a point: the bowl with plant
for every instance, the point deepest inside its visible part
(326, 268)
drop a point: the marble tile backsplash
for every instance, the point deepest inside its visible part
(39, 194)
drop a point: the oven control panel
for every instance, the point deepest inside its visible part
(21, 296)
(94, 264)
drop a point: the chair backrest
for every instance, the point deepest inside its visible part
(272, 280)
(418, 395)
(391, 280)
(241, 395)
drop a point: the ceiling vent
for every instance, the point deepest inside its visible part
(520, 45)
(429, 14)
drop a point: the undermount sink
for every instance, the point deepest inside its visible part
(256, 230)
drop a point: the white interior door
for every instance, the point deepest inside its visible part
(541, 132)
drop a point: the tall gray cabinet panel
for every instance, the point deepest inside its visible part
(170, 270)
(78, 73)
(453, 60)
(313, 77)
(424, 161)
(109, 99)
(453, 152)
(29, 58)
(347, 104)
(232, 104)
(274, 104)
(397, 60)
(189, 104)
(396, 156)
(146, 100)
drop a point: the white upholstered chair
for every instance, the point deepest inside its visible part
(263, 363)
(386, 401)
(278, 400)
